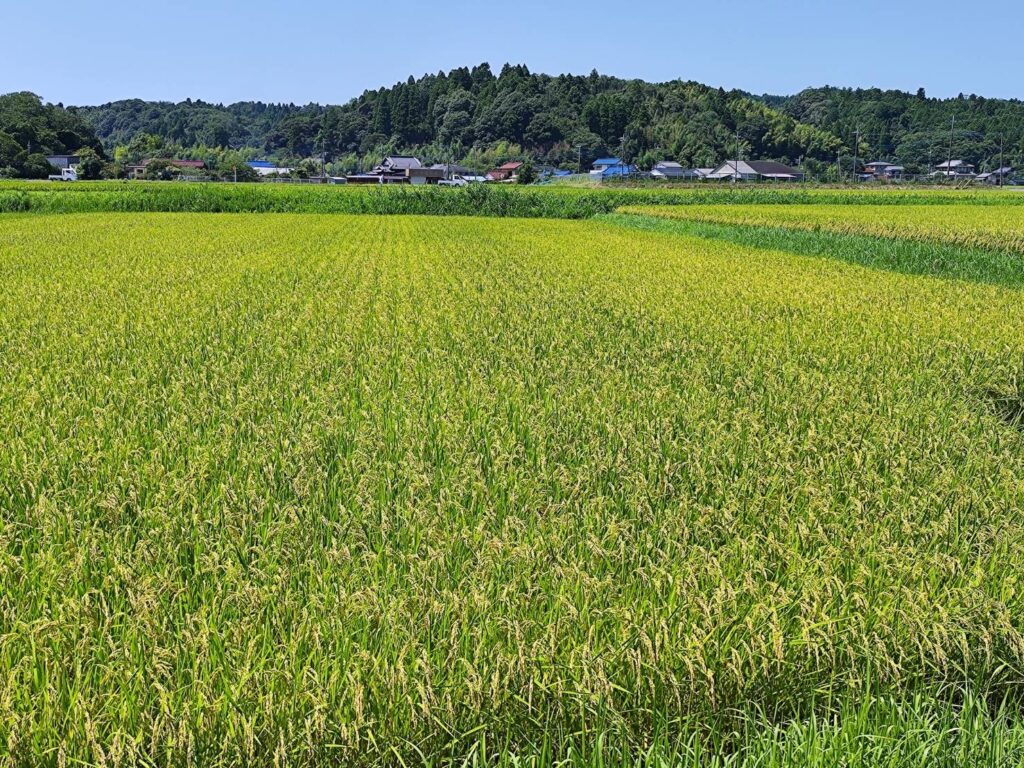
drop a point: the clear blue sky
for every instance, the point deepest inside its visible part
(331, 50)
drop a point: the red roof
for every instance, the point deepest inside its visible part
(512, 166)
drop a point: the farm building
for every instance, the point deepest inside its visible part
(267, 168)
(507, 172)
(550, 172)
(672, 171)
(63, 161)
(755, 170)
(418, 176)
(138, 171)
(999, 176)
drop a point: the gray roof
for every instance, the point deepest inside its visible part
(771, 168)
(401, 162)
(675, 170)
(766, 168)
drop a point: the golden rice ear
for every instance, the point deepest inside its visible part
(673, 485)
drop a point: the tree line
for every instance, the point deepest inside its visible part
(478, 118)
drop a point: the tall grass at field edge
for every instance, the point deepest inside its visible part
(479, 200)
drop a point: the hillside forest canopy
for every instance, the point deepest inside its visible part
(478, 118)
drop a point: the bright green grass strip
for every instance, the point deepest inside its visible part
(873, 732)
(912, 257)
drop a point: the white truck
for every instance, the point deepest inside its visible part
(66, 174)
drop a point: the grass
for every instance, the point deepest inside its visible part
(990, 227)
(373, 491)
(550, 201)
(907, 255)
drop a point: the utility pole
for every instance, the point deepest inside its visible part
(949, 159)
(739, 152)
(856, 151)
(999, 181)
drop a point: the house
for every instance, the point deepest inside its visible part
(393, 169)
(139, 171)
(63, 161)
(999, 176)
(398, 169)
(954, 169)
(603, 163)
(507, 172)
(267, 168)
(879, 170)
(671, 171)
(755, 170)
(667, 169)
(610, 167)
(398, 164)
(875, 169)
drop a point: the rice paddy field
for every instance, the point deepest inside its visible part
(674, 486)
(995, 227)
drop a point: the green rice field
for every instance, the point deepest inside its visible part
(654, 488)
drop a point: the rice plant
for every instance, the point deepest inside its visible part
(479, 200)
(409, 490)
(995, 227)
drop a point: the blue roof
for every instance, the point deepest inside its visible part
(561, 172)
(619, 170)
(608, 161)
(260, 164)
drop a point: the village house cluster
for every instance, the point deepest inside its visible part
(406, 169)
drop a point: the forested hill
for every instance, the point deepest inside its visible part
(479, 117)
(912, 128)
(562, 120)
